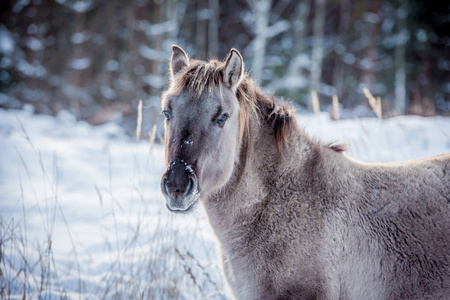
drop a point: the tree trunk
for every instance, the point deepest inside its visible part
(300, 25)
(156, 44)
(171, 14)
(341, 42)
(213, 29)
(201, 34)
(372, 51)
(76, 76)
(300, 22)
(109, 51)
(400, 65)
(129, 61)
(317, 51)
(261, 8)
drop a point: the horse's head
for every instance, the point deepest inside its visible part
(201, 127)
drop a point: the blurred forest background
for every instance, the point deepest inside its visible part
(98, 58)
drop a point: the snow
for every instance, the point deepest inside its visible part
(6, 41)
(4, 77)
(349, 59)
(421, 35)
(156, 29)
(388, 25)
(8, 101)
(366, 63)
(78, 6)
(79, 37)
(155, 81)
(277, 28)
(81, 210)
(395, 139)
(149, 53)
(5, 62)
(339, 48)
(34, 69)
(327, 89)
(80, 63)
(371, 17)
(32, 29)
(82, 6)
(19, 5)
(108, 92)
(403, 37)
(95, 195)
(112, 65)
(34, 44)
(205, 14)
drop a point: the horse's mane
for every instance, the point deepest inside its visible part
(200, 76)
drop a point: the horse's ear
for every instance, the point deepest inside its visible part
(233, 72)
(178, 61)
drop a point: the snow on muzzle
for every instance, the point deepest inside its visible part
(179, 187)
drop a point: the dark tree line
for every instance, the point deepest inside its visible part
(97, 58)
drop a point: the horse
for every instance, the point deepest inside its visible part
(295, 217)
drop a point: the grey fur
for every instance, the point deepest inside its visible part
(309, 222)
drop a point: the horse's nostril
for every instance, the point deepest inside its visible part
(177, 186)
(164, 186)
(185, 190)
(177, 183)
(192, 186)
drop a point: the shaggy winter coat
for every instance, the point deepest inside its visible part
(297, 219)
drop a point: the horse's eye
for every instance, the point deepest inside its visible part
(221, 120)
(166, 114)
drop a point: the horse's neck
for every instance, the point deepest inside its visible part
(259, 166)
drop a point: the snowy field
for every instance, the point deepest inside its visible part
(82, 217)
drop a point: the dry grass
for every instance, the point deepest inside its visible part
(336, 114)
(152, 136)
(139, 121)
(27, 265)
(315, 102)
(147, 263)
(29, 270)
(374, 103)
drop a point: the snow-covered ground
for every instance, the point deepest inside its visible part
(82, 217)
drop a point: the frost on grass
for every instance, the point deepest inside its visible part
(82, 216)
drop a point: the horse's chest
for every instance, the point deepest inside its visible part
(258, 253)
(250, 275)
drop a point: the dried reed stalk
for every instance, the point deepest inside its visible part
(152, 136)
(139, 121)
(336, 113)
(374, 103)
(315, 102)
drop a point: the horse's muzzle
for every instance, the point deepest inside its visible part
(179, 188)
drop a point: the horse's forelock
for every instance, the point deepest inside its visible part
(199, 76)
